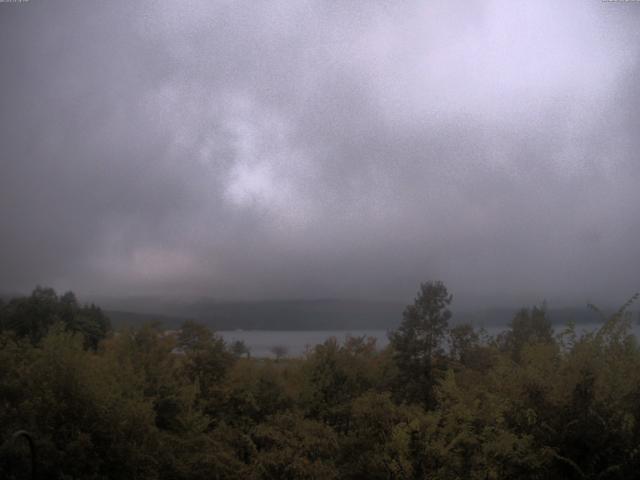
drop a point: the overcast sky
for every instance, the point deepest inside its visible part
(303, 149)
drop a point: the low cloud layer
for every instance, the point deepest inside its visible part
(320, 149)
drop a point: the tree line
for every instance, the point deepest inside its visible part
(439, 402)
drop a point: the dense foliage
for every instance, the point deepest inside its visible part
(441, 402)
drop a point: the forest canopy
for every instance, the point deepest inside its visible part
(441, 401)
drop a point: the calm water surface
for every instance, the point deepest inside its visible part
(296, 342)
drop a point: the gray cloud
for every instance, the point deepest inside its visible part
(309, 149)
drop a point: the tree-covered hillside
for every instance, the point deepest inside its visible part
(442, 401)
(327, 314)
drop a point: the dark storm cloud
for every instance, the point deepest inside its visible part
(308, 149)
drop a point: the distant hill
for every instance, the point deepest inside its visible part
(121, 319)
(272, 315)
(502, 316)
(319, 315)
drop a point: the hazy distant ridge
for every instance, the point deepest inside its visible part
(311, 314)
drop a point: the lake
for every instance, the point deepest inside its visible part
(260, 342)
(296, 342)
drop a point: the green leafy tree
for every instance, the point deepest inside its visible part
(279, 351)
(528, 326)
(89, 416)
(375, 446)
(240, 349)
(463, 342)
(148, 404)
(31, 317)
(207, 362)
(418, 342)
(291, 447)
(334, 374)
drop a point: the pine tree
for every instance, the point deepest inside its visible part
(418, 342)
